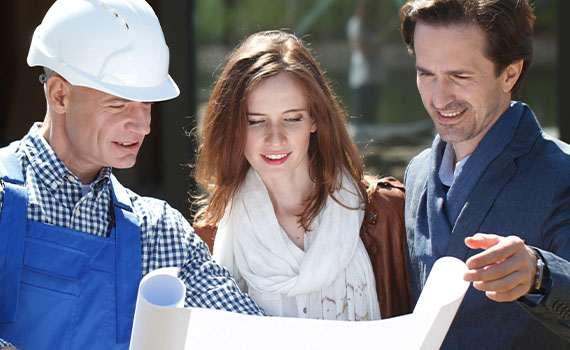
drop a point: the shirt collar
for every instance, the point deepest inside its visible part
(490, 146)
(47, 165)
(450, 169)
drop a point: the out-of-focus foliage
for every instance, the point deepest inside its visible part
(322, 24)
(545, 11)
(228, 21)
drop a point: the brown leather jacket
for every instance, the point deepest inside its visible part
(384, 236)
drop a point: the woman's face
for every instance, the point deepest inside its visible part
(279, 129)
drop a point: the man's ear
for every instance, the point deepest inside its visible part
(511, 75)
(58, 93)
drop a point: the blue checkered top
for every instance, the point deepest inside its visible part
(55, 197)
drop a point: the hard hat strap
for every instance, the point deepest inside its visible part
(45, 75)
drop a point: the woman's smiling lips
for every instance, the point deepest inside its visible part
(275, 158)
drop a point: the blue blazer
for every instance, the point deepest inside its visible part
(524, 191)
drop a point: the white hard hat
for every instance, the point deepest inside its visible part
(114, 46)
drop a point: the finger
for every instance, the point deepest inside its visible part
(482, 240)
(504, 284)
(507, 296)
(505, 248)
(495, 271)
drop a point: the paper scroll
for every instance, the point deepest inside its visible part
(162, 323)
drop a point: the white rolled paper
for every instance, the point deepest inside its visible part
(441, 296)
(162, 323)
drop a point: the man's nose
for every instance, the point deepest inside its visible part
(139, 119)
(443, 94)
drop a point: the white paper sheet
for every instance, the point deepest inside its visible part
(162, 323)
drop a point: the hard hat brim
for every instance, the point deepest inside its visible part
(165, 91)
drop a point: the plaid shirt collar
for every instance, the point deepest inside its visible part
(49, 168)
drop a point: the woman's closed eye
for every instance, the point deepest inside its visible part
(254, 121)
(295, 118)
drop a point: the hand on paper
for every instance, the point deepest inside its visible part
(504, 270)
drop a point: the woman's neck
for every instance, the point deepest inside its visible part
(289, 194)
(288, 199)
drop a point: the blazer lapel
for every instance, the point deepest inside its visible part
(496, 176)
(478, 204)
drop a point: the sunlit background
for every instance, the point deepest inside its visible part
(200, 34)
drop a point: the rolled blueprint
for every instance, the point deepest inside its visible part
(162, 323)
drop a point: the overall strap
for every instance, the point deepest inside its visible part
(128, 259)
(13, 219)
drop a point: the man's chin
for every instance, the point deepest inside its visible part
(453, 134)
(124, 163)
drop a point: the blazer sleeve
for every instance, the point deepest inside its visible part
(553, 310)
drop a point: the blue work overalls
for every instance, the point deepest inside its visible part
(61, 288)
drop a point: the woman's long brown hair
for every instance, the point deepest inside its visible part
(221, 165)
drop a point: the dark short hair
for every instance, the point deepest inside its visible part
(508, 27)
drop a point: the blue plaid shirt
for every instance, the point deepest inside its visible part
(55, 197)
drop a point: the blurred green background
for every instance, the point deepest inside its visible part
(403, 127)
(221, 24)
(200, 33)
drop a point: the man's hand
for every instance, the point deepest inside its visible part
(505, 270)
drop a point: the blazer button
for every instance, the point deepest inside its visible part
(557, 307)
(565, 313)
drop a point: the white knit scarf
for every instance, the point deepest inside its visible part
(333, 272)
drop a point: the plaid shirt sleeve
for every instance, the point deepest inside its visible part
(5, 344)
(168, 240)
